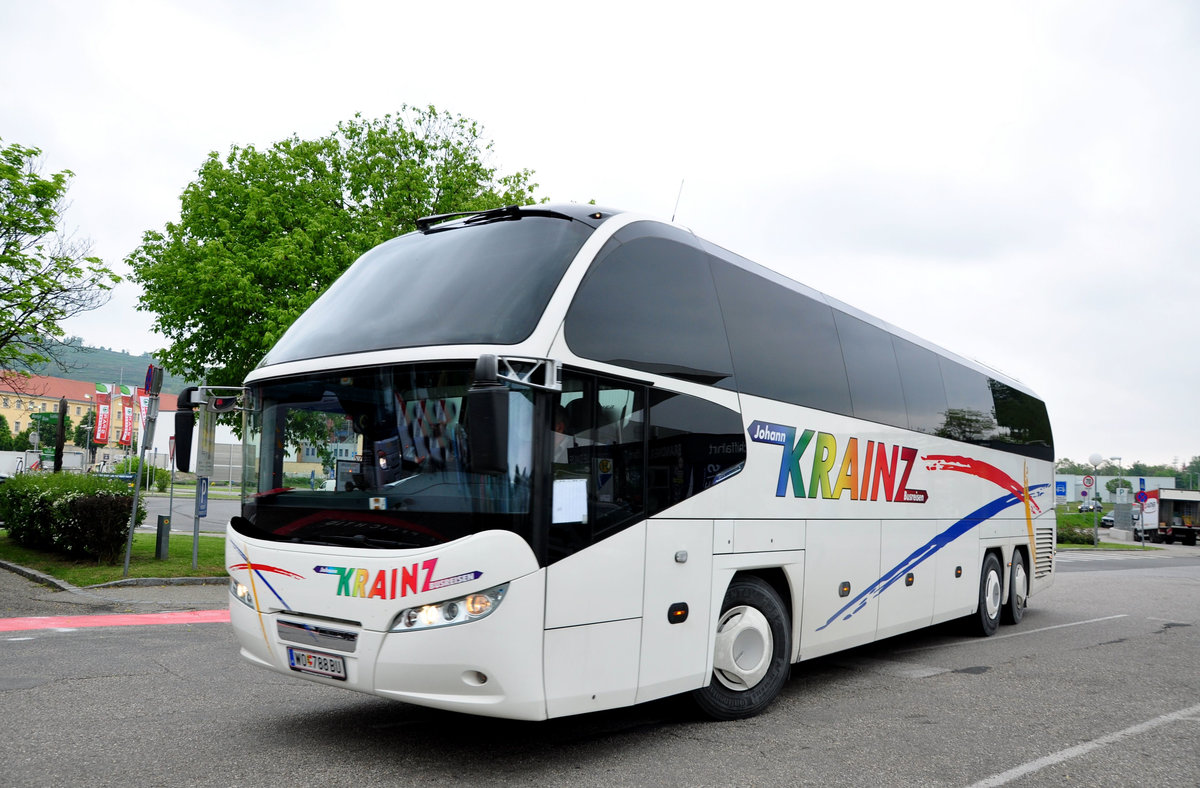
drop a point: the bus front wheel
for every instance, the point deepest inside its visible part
(991, 587)
(751, 652)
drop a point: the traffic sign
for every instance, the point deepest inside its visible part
(1088, 481)
(1083, 493)
(202, 496)
(154, 378)
(1141, 496)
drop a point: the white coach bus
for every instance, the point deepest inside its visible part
(576, 459)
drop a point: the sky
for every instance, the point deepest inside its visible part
(1016, 182)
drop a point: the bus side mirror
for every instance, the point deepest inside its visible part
(487, 414)
(185, 422)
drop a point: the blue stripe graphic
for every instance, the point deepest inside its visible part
(930, 548)
(261, 577)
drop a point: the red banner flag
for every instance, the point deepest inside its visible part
(126, 417)
(143, 406)
(103, 414)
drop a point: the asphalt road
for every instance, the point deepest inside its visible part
(1098, 686)
(183, 513)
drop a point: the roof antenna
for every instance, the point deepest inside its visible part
(677, 200)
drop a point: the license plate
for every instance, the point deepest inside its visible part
(313, 662)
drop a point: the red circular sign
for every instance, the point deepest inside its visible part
(1088, 481)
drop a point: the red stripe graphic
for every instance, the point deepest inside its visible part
(266, 568)
(118, 620)
(983, 470)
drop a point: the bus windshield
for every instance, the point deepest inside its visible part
(378, 457)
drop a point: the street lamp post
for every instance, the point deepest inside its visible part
(91, 426)
(1118, 492)
(1095, 461)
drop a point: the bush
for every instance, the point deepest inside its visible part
(1068, 534)
(162, 477)
(1074, 528)
(78, 516)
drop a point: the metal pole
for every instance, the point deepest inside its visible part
(150, 420)
(137, 491)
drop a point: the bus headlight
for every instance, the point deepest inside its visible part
(242, 593)
(460, 610)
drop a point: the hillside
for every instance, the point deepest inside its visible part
(100, 365)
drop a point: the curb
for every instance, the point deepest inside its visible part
(38, 577)
(61, 585)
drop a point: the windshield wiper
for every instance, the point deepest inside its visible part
(359, 540)
(508, 213)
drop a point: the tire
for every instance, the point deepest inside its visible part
(751, 660)
(991, 586)
(1018, 590)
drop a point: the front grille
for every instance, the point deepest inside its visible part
(318, 637)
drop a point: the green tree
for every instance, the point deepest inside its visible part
(1189, 474)
(262, 233)
(81, 434)
(46, 275)
(1113, 484)
(1069, 467)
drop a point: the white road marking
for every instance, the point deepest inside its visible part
(1082, 749)
(1022, 633)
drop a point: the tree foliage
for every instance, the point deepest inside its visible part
(1186, 475)
(46, 275)
(262, 233)
(1112, 485)
(1069, 467)
(80, 434)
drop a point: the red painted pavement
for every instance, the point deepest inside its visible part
(115, 620)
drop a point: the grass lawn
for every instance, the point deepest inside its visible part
(142, 563)
(1107, 546)
(1070, 520)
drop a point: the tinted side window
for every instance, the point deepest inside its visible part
(648, 302)
(613, 467)
(1023, 426)
(694, 444)
(784, 344)
(970, 416)
(875, 390)
(921, 378)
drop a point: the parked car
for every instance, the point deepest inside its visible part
(1090, 506)
(1107, 520)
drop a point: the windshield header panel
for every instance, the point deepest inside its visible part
(475, 281)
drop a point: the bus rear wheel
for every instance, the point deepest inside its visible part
(1018, 590)
(751, 653)
(991, 586)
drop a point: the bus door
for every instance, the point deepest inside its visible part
(596, 545)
